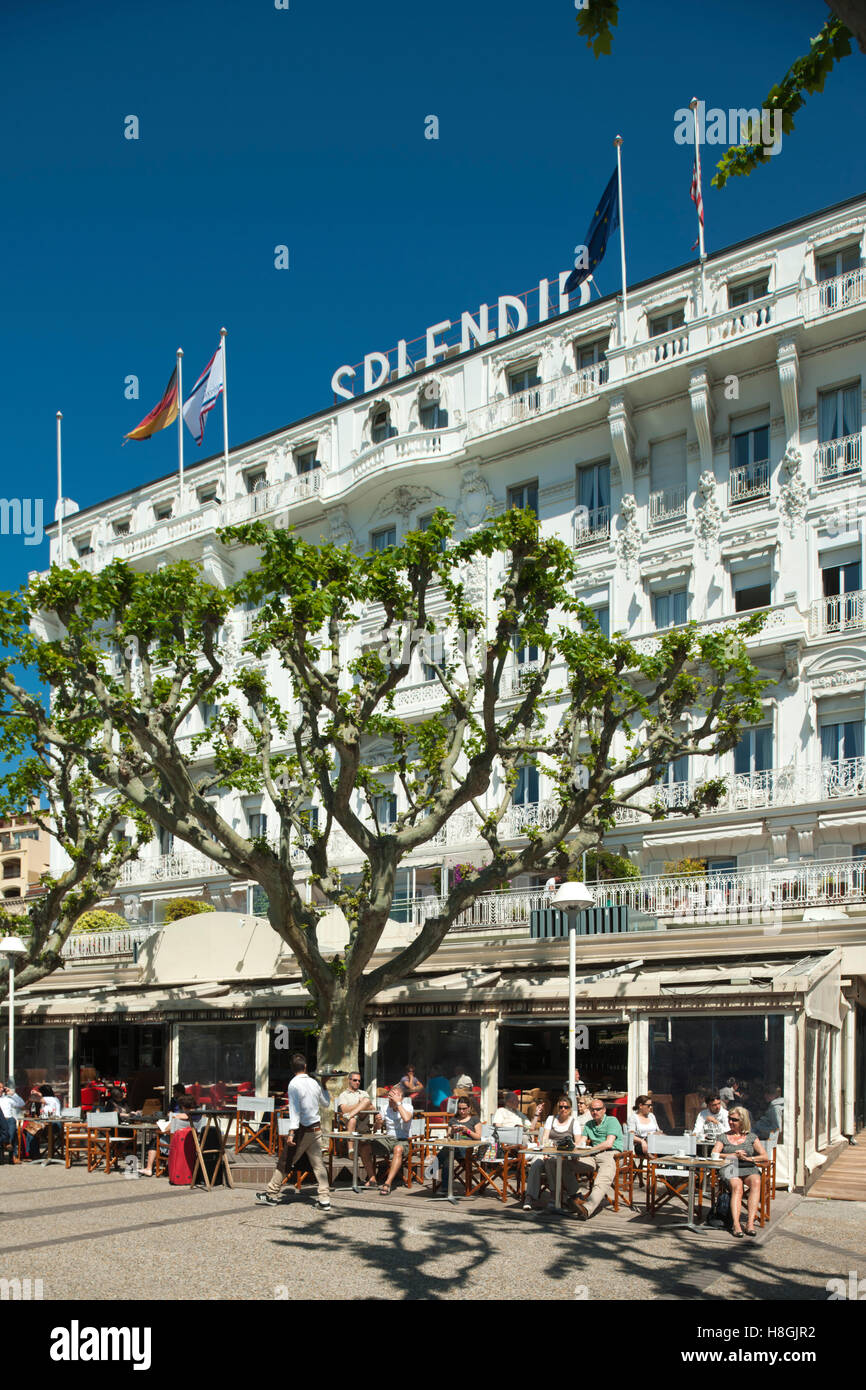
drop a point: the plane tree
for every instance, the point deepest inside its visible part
(315, 720)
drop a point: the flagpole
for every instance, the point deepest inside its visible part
(180, 431)
(618, 143)
(59, 493)
(699, 206)
(225, 419)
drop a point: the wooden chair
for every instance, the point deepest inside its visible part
(415, 1158)
(674, 1181)
(768, 1176)
(626, 1170)
(504, 1172)
(103, 1140)
(74, 1140)
(258, 1130)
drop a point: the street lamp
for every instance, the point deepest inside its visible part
(572, 897)
(10, 947)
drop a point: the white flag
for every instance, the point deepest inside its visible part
(204, 395)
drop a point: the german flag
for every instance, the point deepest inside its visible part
(161, 416)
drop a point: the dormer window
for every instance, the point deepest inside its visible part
(82, 546)
(256, 480)
(162, 511)
(748, 290)
(208, 493)
(666, 323)
(380, 425)
(522, 379)
(306, 461)
(431, 415)
(121, 528)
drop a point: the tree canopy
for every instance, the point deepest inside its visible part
(309, 714)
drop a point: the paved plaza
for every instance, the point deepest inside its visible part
(92, 1236)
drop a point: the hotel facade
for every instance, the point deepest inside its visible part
(704, 460)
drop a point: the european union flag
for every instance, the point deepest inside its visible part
(604, 220)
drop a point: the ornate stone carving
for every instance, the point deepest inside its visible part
(708, 513)
(622, 437)
(807, 414)
(702, 414)
(630, 539)
(402, 501)
(339, 530)
(216, 567)
(788, 365)
(131, 907)
(641, 467)
(793, 493)
(477, 502)
(791, 653)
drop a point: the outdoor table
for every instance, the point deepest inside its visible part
(340, 1134)
(455, 1144)
(210, 1116)
(141, 1128)
(560, 1155)
(693, 1163)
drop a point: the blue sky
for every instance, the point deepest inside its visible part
(305, 127)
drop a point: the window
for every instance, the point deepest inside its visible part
(208, 493)
(82, 546)
(380, 425)
(754, 752)
(858, 851)
(721, 866)
(306, 461)
(523, 379)
(840, 575)
(666, 323)
(310, 817)
(842, 581)
(386, 808)
(209, 713)
(838, 262)
(748, 290)
(121, 528)
(12, 868)
(162, 511)
(839, 425)
(431, 416)
(602, 617)
(12, 893)
(383, 539)
(525, 792)
(752, 589)
(592, 355)
(667, 480)
(670, 609)
(593, 494)
(256, 480)
(524, 652)
(165, 840)
(676, 771)
(525, 495)
(841, 738)
(750, 464)
(258, 824)
(424, 525)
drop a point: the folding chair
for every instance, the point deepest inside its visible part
(504, 1171)
(103, 1140)
(74, 1138)
(768, 1176)
(416, 1152)
(258, 1130)
(674, 1181)
(623, 1184)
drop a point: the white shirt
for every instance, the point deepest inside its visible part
(504, 1118)
(395, 1125)
(720, 1121)
(554, 1129)
(305, 1098)
(50, 1106)
(11, 1105)
(643, 1125)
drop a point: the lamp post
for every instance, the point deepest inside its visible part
(10, 947)
(572, 897)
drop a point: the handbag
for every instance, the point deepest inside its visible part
(565, 1145)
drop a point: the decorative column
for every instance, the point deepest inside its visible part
(263, 1047)
(489, 1079)
(788, 366)
(622, 439)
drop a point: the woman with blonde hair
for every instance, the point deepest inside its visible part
(742, 1144)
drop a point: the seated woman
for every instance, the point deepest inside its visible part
(742, 1143)
(180, 1105)
(643, 1123)
(583, 1115)
(559, 1130)
(465, 1125)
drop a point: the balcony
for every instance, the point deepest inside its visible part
(742, 320)
(591, 525)
(658, 351)
(105, 945)
(794, 785)
(841, 613)
(748, 482)
(841, 292)
(781, 617)
(744, 893)
(424, 444)
(271, 499)
(537, 400)
(838, 458)
(168, 868)
(668, 504)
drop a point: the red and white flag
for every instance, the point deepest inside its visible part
(204, 395)
(698, 201)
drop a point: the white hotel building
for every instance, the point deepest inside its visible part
(705, 462)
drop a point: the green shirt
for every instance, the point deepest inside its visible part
(597, 1133)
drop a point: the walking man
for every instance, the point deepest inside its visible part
(306, 1097)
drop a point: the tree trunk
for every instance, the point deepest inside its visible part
(341, 1019)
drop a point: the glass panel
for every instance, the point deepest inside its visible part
(441, 1051)
(691, 1056)
(851, 409)
(809, 1098)
(381, 540)
(286, 1039)
(827, 422)
(217, 1055)
(536, 1056)
(42, 1058)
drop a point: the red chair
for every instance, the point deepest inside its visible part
(89, 1098)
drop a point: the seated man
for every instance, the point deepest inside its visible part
(394, 1138)
(508, 1115)
(355, 1106)
(713, 1119)
(601, 1129)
